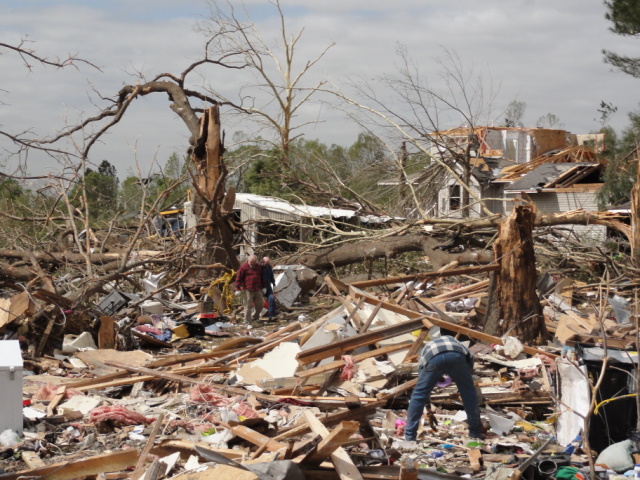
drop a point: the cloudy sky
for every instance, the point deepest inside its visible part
(546, 53)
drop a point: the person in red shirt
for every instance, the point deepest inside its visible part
(250, 280)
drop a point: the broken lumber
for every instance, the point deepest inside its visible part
(340, 458)
(335, 439)
(421, 276)
(137, 473)
(348, 344)
(257, 438)
(485, 337)
(107, 462)
(356, 358)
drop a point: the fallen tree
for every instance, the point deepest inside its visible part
(438, 243)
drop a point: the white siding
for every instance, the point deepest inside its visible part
(554, 202)
(443, 200)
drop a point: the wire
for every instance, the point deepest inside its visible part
(604, 402)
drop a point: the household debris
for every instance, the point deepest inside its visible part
(184, 391)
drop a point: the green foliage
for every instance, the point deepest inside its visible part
(315, 171)
(621, 157)
(173, 174)
(171, 184)
(101, 188)
(625, 18)
(10, 190)
(264, 175)
(17, 200)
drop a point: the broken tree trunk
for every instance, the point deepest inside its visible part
(388, 246)
(517, 310)
(210, 188)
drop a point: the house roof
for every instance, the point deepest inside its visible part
(259, 207)
(554, 175)
(578, 153)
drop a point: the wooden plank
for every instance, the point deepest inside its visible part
(12, 308)
(55, 401)
(107, 333)
(283, 330)
(567, 328)
(195, 370)
(415, 348)
(45, 337)
(258, 439)
(469, 290)
(485, 337)
(373, 300)
(139, 470)
(353, 312)
(335, 418)
(336, 286)
(421, 276)
(108, 462)
(335, 439)
(225, 348)
(183, 379)
(356, 358)
(403, 387)
(374, 314)
(266, 345)
(340, 347)
(475, 458)
(151, 340)
(183, 445)
(32, 459)
(340, 458)
(622, 344)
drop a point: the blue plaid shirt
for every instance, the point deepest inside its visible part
(442, 344)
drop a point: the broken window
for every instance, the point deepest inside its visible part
(455, 198)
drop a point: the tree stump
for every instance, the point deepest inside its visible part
(516, 309)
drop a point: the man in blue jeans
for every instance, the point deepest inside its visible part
(270, 282)
(444, 355)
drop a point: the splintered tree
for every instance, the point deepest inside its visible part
(515, 308)
(213, 205)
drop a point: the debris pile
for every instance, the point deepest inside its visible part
(171, 390)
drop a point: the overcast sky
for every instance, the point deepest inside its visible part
(546, 53)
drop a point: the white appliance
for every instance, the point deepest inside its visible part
(10, 386)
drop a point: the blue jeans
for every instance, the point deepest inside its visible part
(272, 302)
(459, 368)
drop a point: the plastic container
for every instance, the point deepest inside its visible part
(151, 307)
(636, 471)
(10, 386)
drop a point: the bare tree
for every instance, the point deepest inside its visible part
(279, 88)
(438, 119)
(514, 114)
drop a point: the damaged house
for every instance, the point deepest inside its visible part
(556, 170)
